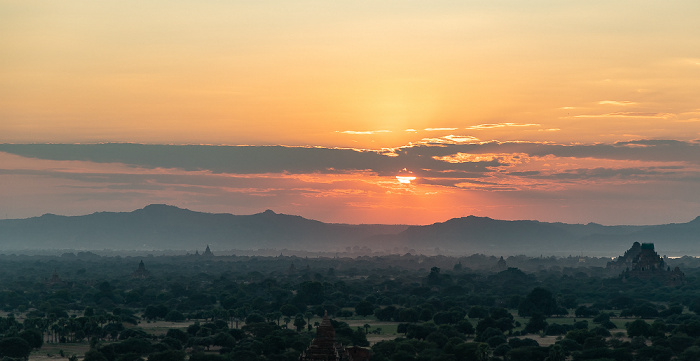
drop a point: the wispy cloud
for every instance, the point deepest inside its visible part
(439, 129)
(500, 158)
(450, 139)
(627, 115)
(363, 132)
(500, 125)
(623, 103)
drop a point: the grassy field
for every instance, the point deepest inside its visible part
(378, 331)
(159, 328)
(53, 351)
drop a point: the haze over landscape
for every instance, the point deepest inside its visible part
(179, 231)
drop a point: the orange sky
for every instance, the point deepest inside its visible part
(362, 75)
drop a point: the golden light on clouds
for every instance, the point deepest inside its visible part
(405, 179)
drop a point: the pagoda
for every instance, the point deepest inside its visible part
(642, 262)
(141, 272)
(325, 348)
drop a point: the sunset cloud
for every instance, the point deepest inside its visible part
(617, 102)
(364, 132)
(439, 129)
(300, 179)
(627, 115)
(499, 125)
(272, 159)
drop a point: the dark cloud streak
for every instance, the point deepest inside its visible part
(421, 159)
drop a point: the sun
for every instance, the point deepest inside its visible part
(405, 176)
(404, 179)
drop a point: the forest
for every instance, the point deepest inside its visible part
(82, 305)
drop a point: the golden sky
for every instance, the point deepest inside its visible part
(381, 76)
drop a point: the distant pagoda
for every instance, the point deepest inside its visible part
(141, 272)
(642, 262)
(55, 279)
(501, 265)
(207, 252)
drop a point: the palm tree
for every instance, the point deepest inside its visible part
(556, 353)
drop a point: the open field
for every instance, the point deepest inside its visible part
(53, 351)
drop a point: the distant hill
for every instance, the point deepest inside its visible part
(159, 226)
(489, 236)
(164, 227)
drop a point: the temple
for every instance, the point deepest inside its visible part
(55, 280)
(325, 348)
(141, 272)
(642, 262)
(501, 265)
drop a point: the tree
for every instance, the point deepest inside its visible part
(33, 337)
(364, 308)
(174, 316)
(690, 354)
(385, 314)
(16, 347)
(309, 315)
(359, 338)
(224, 340)
(407, 315)
(169, 355)
(465, 327)
(153, 312)
(538, 322)
(478, 312)
(299, 322)
(434, 276)
(254, 318)
(482, 352)
(277, 315)
(538, 300)
(556, 353)
(638, 328)
(289, 310)
(94, 355)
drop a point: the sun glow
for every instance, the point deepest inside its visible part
(405, 179)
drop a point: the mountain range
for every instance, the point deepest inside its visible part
(164, 227)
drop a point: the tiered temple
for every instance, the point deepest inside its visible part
(325, 348)
(642, 262)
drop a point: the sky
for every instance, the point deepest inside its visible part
(408, 112)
